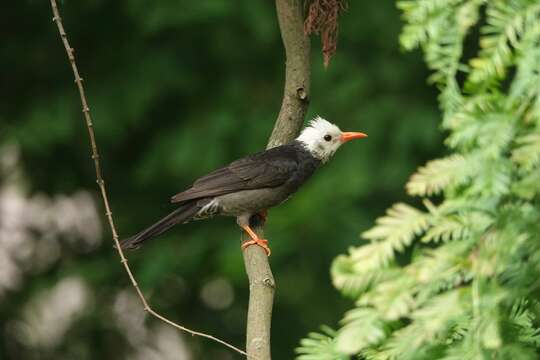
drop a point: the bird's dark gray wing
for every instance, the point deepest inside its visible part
(270, 168)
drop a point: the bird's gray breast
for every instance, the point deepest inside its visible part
(251, 201)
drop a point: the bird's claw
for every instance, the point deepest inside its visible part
(261, 242)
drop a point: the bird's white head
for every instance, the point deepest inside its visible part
(322, 138)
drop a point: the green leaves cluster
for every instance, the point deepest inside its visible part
(459, 278)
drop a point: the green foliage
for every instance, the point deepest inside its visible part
(320, 346)
(439, 174)
(393, 232)
(469, 289)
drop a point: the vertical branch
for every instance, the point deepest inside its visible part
(101, 184)
(297, 72)
(288, 123)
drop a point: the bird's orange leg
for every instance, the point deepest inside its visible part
(255, 240)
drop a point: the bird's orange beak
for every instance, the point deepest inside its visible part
(346, 136)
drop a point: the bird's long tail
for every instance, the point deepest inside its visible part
(181, 215)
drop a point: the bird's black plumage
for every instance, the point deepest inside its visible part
(181, 215)
(290, 163)
(242, 188)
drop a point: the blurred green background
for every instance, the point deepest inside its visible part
(176, 89)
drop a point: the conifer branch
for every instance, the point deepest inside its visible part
(469, 288)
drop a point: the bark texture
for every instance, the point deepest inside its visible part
(289, 121)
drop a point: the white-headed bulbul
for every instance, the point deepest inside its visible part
(252, 184)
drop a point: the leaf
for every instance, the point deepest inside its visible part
(399, 225)
(493, 179)
(348, 276)
(362, 327)
(372, 256)
(505, 25)
(528, 186)
(454, 221)
(393, 232)
(527, 154)
(524, 320)
(439, 174)
(392, 298)
(320, 346)
(491, 133)
(442, 49)
(433, 322)
(445, 229)
(442, 268)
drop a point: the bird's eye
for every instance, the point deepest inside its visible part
(327, 137)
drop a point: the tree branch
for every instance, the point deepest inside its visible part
(101, 184)
(296, 94)
(288, 124)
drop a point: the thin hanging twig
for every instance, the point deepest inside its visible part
(101, 184)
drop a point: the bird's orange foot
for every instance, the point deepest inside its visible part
(261, 242)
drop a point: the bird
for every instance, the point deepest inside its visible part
(250, 185)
